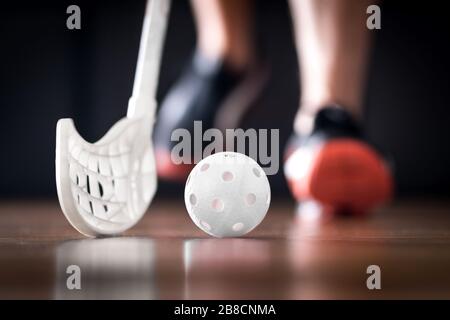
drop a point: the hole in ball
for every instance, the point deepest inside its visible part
(205, 225)
(227, 176)
(217, 205)
(193, 199)
(256, 172)
(238, 226)
(204, 167)
(250, 199)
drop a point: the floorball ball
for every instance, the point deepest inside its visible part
(227, 194)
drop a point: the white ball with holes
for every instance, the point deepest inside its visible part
(227, 194)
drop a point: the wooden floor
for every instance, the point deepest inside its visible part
(287, 257)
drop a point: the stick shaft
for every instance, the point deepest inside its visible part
(149, 58)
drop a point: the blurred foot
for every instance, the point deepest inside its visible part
(336, 166)
(207, 91)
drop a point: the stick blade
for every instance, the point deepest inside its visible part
(104, 188)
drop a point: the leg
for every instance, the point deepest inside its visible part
(329, 161)
(217, 86)
(332, 43)
(225, 30)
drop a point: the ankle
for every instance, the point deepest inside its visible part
(237, 57)
(305, 117)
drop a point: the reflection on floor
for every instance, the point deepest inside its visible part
(290, 256)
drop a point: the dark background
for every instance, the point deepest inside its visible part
(49, 72)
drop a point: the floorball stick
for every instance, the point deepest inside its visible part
(105, 187)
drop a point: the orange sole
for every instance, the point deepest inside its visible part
(346, 175)
(167, 170)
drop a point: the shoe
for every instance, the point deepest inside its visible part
(207, 91)
(337, 166)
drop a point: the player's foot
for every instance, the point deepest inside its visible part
(207, 91)
(336, 166)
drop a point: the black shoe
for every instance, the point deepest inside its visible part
(336, 166)
(207, 91)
